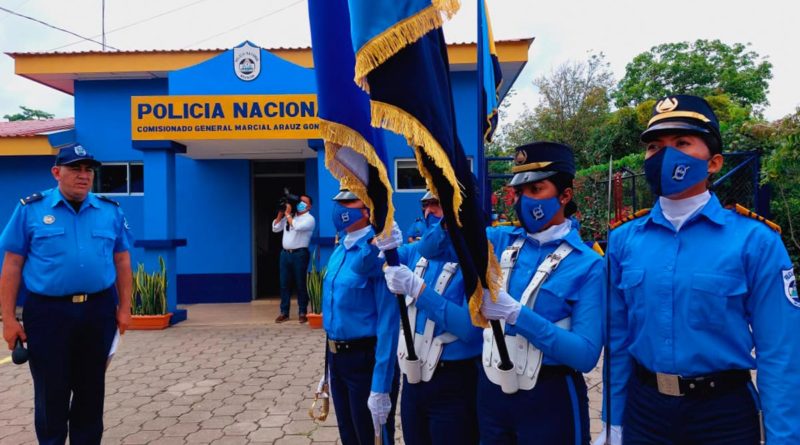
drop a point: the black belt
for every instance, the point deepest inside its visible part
(548, 371)
(458, 364)
(301, 249)
(358, 344)
(675, 385)
(74, 298)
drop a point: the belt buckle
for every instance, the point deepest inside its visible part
(80, 298)
(668, 384)
(332, 347)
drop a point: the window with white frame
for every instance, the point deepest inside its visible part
(407, 177)
(119, 178)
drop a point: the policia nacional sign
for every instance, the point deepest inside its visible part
(224, 117)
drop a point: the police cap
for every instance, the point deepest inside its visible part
(345, 195)
(539, 160)
(428, 196)
(682, 113)
(73, 154)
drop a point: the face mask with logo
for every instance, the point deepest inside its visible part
(302, 207)
(434, 243)
(344, 217)
(535, 213)
(671, 171)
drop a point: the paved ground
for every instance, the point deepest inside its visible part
(229, 375)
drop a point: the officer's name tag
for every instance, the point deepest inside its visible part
(790, 287)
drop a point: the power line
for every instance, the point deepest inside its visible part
(129, 25)
(4, 18)
(247, 23)
(53, 26)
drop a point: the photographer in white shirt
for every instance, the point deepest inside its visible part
(297, 226)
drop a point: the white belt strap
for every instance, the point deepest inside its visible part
(509, 258)
(427, 347)
(527, 358)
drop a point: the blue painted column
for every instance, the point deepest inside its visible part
(159, 238)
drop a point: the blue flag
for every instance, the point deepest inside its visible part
(492, 76)
(410, 94)
(354, 151)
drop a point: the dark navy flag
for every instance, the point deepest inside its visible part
(411, 95)
(354, 151)
(492, 76)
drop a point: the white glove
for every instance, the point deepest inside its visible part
(506, 307)
(393, 241)
(614, 439)
(379, 405)
(321, 387)
(401, 280)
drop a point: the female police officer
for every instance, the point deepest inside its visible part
(552, 311)
(439, 389)
(361, 321)
(694, 288)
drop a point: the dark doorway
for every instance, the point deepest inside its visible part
(269, 180)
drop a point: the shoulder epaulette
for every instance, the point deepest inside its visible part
(744, 211)
(33, 198)
(628, 218)
(506, 224)
(107, 199)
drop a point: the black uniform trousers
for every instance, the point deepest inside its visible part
(68, 345)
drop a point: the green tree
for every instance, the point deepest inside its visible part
(28, 114)
(703, 68)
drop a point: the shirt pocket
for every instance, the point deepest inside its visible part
(103, 243)
(631, 284)
(713, 299)
(351, 291)
(555, 299)
(49, 242)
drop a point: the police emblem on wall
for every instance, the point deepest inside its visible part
(790, 287)
(247, 61)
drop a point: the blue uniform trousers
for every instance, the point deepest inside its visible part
(294, 266)
(554, 412)
(444, 410)
(69, 344)
(350, 383)
(726, 418)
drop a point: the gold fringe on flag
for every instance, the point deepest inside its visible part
(403, 33)
(494, 277)
(397, 120)
(337, 136)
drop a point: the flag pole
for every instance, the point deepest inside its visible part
(483, 195)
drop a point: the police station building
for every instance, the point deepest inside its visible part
(198, 145)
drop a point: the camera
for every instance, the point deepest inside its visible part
(288, 198)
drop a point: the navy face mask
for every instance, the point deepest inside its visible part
(535, 213)
(671, 171)
(434, 243)
(432, 219)
(344, 217)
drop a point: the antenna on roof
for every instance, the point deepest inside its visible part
(103, 25)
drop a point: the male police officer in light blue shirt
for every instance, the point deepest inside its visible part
(694, 288)
(70, 249)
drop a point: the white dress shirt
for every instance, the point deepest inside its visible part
(298, 235)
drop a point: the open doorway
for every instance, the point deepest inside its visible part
(269, 180)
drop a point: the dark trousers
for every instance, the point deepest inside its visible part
(729, 417)
(293, 275)
(442, 411)
(68, 345)
(554, 412)
(350, 383)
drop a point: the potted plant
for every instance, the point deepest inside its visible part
(149, 299)
(314, 286)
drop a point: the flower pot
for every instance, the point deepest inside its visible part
(314, 321)
(149, 322)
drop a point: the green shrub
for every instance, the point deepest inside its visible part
(149, 296)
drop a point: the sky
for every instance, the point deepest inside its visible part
(565, 30)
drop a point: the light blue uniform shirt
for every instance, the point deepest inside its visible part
(450, 311)
(685, 303)
(416, 229)
(66, 252)
(575, 289)
(356, 303)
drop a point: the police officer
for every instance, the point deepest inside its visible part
(421, 225)
(694, 288)
(439, 389)
(70, 249)
(361, 324)
(551, 307)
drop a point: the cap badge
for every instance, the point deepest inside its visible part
(666, 105)
(80, 151)
(49, 219)
(521, 157)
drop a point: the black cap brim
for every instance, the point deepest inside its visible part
(527, 177)
(672, 127)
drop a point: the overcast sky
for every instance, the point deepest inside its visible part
(564, 30)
